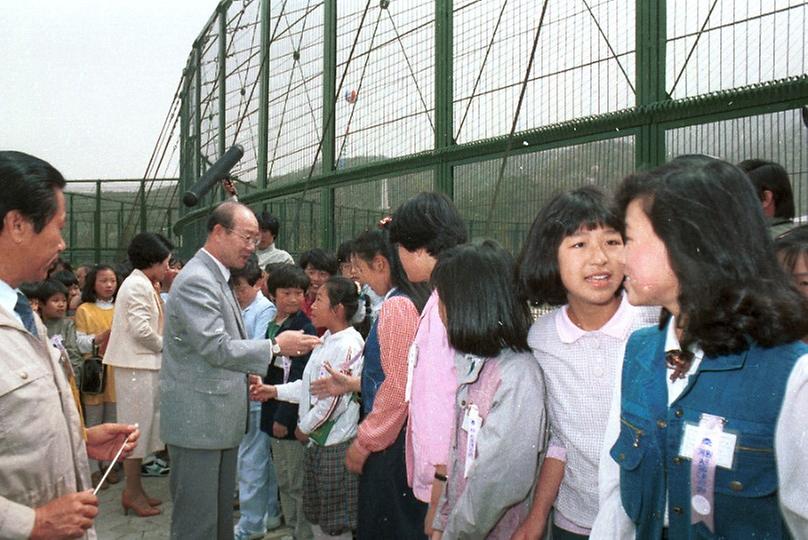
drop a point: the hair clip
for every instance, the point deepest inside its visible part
(385, 221)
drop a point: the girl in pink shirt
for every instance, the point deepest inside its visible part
(423, 227)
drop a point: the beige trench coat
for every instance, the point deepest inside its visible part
(43, 455)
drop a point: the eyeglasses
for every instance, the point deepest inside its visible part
(254, 240)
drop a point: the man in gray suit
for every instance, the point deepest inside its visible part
(203, 379)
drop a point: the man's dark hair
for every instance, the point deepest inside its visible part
(287, 276)
(268, 222)
(148, 248)
(49, 288)
(251, 272)
(429, 220)
(29, 186)
(771, 176)
(65, 277)
(320, 260)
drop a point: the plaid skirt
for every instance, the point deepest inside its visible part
(330, 492)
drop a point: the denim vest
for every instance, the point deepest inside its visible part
(747, 390)
(372, 372)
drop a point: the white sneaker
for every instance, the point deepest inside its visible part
(240, 534)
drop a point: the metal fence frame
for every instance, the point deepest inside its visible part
(131, 215)
(647, 121)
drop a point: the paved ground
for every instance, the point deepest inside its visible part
(111, 524)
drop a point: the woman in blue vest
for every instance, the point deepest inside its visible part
(689, 449)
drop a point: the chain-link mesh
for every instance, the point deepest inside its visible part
(345, 109)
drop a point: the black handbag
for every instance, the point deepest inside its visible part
(93, 380)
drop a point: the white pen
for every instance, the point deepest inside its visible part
(114, 461)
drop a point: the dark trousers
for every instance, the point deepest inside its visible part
(387, 507)
(563, 534)
(202, 484)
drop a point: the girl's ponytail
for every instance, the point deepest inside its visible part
(345, 291)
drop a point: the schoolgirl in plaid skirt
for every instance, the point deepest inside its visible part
(328, 425)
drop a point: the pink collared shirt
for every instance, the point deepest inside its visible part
(579, 367)
(433, 389)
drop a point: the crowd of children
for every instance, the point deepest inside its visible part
(660, 393)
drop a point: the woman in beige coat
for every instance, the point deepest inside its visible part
(135, 349)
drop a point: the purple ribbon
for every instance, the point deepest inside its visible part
(702, 470)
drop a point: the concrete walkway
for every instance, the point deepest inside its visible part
(111, 524)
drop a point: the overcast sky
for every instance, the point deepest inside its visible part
(88, 83)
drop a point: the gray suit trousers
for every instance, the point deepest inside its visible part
(202, 484)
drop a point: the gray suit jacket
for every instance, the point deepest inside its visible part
(206, 356)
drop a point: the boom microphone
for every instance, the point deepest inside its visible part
(217, 172)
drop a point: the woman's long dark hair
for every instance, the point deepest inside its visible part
(88, 293)
(377, 242)
(731, 288)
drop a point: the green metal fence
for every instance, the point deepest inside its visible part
(347, 108)
(104, 214)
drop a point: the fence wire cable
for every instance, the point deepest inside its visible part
(609, 44)
(412, 72)
(509, 146)
(693, 48)
(304, 81)
(327, 124)
(482, 69)
(287, 94)
(359, 87)
(261, 68)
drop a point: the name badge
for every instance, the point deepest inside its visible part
(412, 359)
(64, 358)
(723, 444)
(708, 447)
(471, 425)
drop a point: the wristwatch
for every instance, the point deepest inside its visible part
(276, 349)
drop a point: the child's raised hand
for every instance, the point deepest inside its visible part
(263, 392)
(336, 383)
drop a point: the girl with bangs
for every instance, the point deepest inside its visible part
(573, 258)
